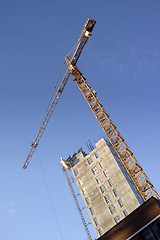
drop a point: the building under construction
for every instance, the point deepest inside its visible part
(107, 189)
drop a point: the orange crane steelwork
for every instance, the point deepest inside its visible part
(141, 181)
(86, 33)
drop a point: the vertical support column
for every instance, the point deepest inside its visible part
(77, 204)
(135, 171)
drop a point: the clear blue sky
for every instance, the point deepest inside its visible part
(121, 62)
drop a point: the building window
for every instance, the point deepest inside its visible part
(112, 209)
(105, 173)
(80, 182)
(125, 213)
(75, 172)
(91, 210)
(95, 221)
(107, 198)
(156, 229)
(103, 188)
(110, 182)
(152, 232)
(120, 202)
(96, 155)
(87, 200)
(115, 192)
(100, 164)
(94, 170)
(83, 191)
(148, 235)
(98, 179)
(100, 232)
(89, 160)
(117, 219)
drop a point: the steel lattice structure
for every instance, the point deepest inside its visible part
(86, 33)
(128, 159)
(77, 205)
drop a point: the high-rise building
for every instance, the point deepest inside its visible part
(107, 190)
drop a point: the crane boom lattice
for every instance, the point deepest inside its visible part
(86, 33)
(46, 119)
(128, 159)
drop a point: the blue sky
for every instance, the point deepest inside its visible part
(121, 62)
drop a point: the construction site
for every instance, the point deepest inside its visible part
(80, 120)
(111, 181)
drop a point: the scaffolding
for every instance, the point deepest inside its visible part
(77, 204)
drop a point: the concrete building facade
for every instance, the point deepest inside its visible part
(107, 190)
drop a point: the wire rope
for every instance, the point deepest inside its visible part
(50, 197)
(75, 45)
(53, 91)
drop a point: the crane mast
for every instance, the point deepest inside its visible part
(126, 156)
(86, 33)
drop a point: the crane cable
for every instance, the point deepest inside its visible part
(75, 45)
(53, 91)
(49, 196)
(73, 48)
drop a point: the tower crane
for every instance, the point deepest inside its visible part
(135, 171)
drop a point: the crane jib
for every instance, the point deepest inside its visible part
(86, 33)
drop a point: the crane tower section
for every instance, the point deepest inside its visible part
(128, 159)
